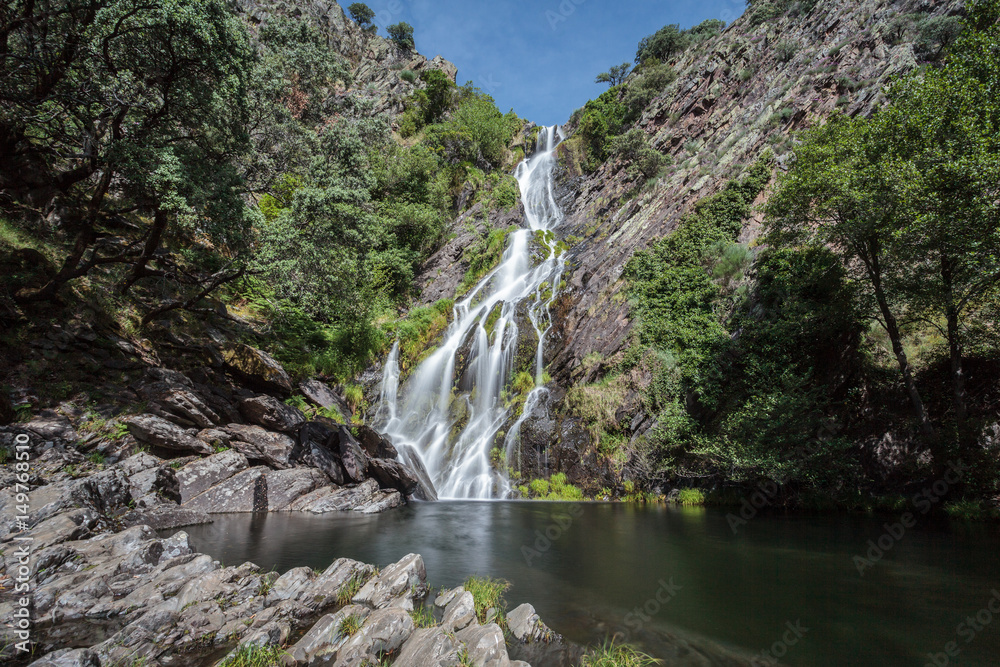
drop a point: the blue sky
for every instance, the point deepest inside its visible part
(541, 57)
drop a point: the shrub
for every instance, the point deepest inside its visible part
(634, 149)
(402, 34)
(408, 76)
(487, 593)
(252, 655)
(785, 50)
(349, 625)
(610, 654)
(691, 497)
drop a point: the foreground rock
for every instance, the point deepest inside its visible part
(134, 598)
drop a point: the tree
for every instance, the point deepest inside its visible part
(663, 44)
(362, 15)
(127, 116)
(615, 76)
(941, 133)
(840, 192)
(402, 34)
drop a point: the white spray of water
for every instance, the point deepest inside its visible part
(451, 422)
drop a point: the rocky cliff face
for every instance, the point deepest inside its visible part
(736, 95)
(375, 61)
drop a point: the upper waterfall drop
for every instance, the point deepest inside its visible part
(446, 417)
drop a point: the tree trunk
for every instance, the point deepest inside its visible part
(954, 343)
(868, 252)
(150, 247)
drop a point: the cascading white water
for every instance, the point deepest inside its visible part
(451, 423)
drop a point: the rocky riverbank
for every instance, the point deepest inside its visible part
(105, 589)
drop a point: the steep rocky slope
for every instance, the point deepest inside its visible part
(375, 61)
(737, 95)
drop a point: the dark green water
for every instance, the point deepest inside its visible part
(731, 594)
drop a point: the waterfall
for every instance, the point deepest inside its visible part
(450, 410)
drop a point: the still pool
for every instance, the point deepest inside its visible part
(680, 582)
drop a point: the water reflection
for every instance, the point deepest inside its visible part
(737, 591)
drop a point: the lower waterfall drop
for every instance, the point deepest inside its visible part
(448, 423)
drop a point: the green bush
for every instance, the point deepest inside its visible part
(634, 149)
(610, 654)
(602, 119)
(487, 593)
(402, 34)
(408, 76)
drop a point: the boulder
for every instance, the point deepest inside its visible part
(165, 516)
(158, 432)
(325, 590)
(428, 647)
(214, 437)
(383, 631)
(257, 444)
(272, 414)
(406, 577)
(366, 498)
(459, 613)
(352, 457)
(155, 485)
(393, 475)
(319, 447)
(199, 476)
(51, 426)
(375, 445)
(485, 644)
(245, 491)
(526, 626)
(258, 369)
(285, 486)
(137, 463)
(325, 637)
(325, 397)
(69, 657)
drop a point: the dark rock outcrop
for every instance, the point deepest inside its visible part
(158, 432)
(257, 369)
(272, 414)
(353, 458)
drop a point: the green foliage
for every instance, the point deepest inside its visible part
(487, 594)
(477, 132)
(634, 149)
(416, 331)
(935, 34)
(602, 119)
(362, 14)
(653, 78)
(665, 43)
(408, 76)
(350, 588)
(423, 617)
(785, 50)
(555, 488)
(402, 34)
(349, 625)
(253, 655)
(610, 654)
(482, 257)
(691, 497)
(615, 76)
